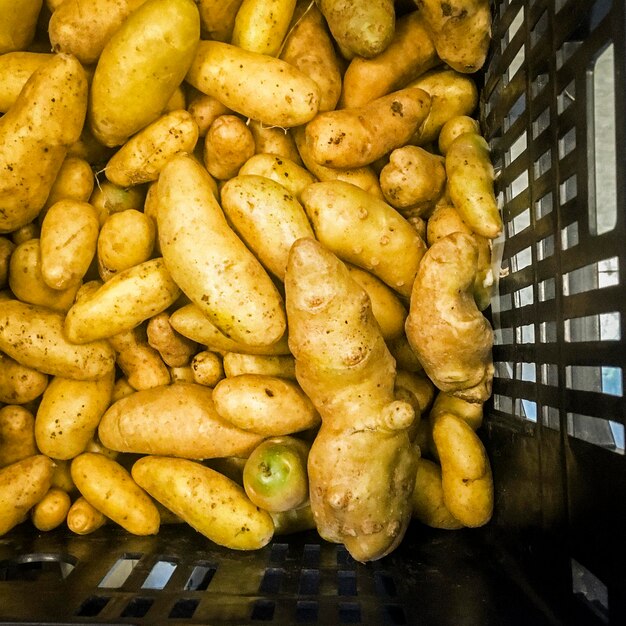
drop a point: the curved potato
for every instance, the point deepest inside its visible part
(17, 434)
(18, 23)
(261, 25)
(15, 69)
(175, 350)
(83, 518)
(19, 384)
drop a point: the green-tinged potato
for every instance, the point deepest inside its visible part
(83, 27)
(207, 368)
(22, 485)
(18, 23)
(428, 502)
(359, 136)
(129, 298)
(75, 181)
(451, 94)
(69, 413)
(293, 521)
(109, 488)
(15, 69)
(365, 231)
(27, 282)
(109, 198)
(190, 322)
(6, 250)
(279, 95)
(143, 156)
(283, 170)
(19, 384)
(34, 337)
(140, 68)
(470, 412)
(267, 405)
(387, 307)
(227, 146)
(214, 505)
(274, 140)
(223, 279)
(217, 18)
(453, 128)
(267, 218)
(261, 25)
(69, 234)
(282, 366)
(126, 239)
(152, 422)
(52, 107)
(363, 27)
(51, 510)
(466, 472)
(275, 475)
(205, 110)
(83, 518)
(175, 349)
(308, 47)
(409, 54)
(17, 434)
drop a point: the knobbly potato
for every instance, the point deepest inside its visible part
(214, 276)
(17, 434)
(207, 368)
(365, 231)
(175, 350)
(267, 218)
(83, 518)
(280, 95)
(217, 18)
(129, 298)
(22, 485)
(15, 69)
(109, 488)
(151, 422)
(19, 384)
(51, 510)
(52, 106)
(69, 413)
(6, 250)
(267, 405)
(274, 140)
(34, 336)
(453, 128)
(69, 235)
(359, 136)
(205, 110)
(143, 156)
(227, 146)
(261, 25)
(136, 73)
(18, 23)
(75, 181)
(208, 501)
(282, 366)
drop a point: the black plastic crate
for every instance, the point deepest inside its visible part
(553, 110)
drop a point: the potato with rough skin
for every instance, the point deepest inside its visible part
(282, 366)
(228, 144)
(365, 231)
(217, 18)
(83, 518)
(51, 510)
(22, 485)
(207, 368)
(450, 336)
(175, 350)
(151, 422)
(19, 384)
(279, 95)
(209, 502)
(18, 23)
(140, 68)
(17, 434)
(15, 69)
(261, 25)
(224, 280)
(109, 488)
(34, 336)
(52, 105)
(344, 366)
(358, 136)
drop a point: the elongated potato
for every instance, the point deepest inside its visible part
(22, 485)
(224, 279)
(69, 413)
(227, 146)
(261, 25)
(151, 422)
(267, 218)
(365, 231)
(15, 69)
(52, 106)
(83, 518)
(109, 488)
(280, 94)
(217, 18)
(19, 384)
(34, 337)
(136, 73)
(282, 366)
(175, 350)
(470, 412)
(208, 501)
(129, 298)
(18, 23)
(51, 510)
(17, 434)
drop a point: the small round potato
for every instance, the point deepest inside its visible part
(19, 384)
(51, 510)
(227, 146)
(207, 368)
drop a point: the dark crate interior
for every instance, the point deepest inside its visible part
(553, 109)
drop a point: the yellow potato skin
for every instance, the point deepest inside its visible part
(75, 181)
(279, 365)
(19, 384)
(18, 23)
(69, 414)
(6, 250)
(227, 146)
(15, 69)
(109, 488)
(52, 105)
(261, 25)
(217, 18)
(51, 510)
(136, 73)
(224, 279)
(83, 518)
(214, 505)
(280, 95)
(17, 434)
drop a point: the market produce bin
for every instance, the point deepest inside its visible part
(553, 109)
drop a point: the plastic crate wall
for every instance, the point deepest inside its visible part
(554, 112)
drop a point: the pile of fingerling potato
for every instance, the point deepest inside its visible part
(245, 254)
